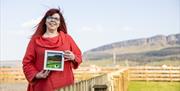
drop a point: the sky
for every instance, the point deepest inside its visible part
(91, 23)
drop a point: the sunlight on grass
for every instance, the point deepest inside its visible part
(153, 86)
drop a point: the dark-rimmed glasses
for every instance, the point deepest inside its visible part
(53, 18)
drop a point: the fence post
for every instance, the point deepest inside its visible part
(125, 80)
(170, 73)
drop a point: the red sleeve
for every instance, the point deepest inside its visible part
(77, 52)
(28, 62)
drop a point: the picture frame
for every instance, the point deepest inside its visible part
(54, 60)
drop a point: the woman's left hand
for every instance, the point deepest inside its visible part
(68, 55)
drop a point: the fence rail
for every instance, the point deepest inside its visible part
(11, 75)
(115, 81)
(154, 73)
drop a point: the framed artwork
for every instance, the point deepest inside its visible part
(54, 60)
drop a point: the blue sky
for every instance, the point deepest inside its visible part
(91, 23)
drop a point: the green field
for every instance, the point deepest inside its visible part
(53, 64)
(153, 86)
(109, 62)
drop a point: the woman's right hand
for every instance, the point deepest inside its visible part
(42, 74)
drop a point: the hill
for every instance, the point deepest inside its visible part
(155, 48)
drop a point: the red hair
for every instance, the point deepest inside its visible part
(41, 27)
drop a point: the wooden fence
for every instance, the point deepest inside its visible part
(11, 75)
(86, 74)
(154, 73)
(114, 81)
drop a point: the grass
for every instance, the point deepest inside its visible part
(100, 63)
(109, 62)
(13, 86)
(153, 86)
(167, 62)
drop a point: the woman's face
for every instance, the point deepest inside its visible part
(53, 22)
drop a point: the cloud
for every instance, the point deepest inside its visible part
(126, 28)
(31, 23)
(96, 28)
(100, 29)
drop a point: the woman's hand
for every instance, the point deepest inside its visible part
(42, 74)
(68, 55)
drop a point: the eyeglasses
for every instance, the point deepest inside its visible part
(53, 18)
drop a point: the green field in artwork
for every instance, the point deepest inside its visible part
(53, 64)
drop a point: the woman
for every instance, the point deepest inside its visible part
(51, 34)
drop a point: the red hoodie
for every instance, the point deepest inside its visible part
(34, 59)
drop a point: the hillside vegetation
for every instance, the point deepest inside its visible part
(139, 51)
